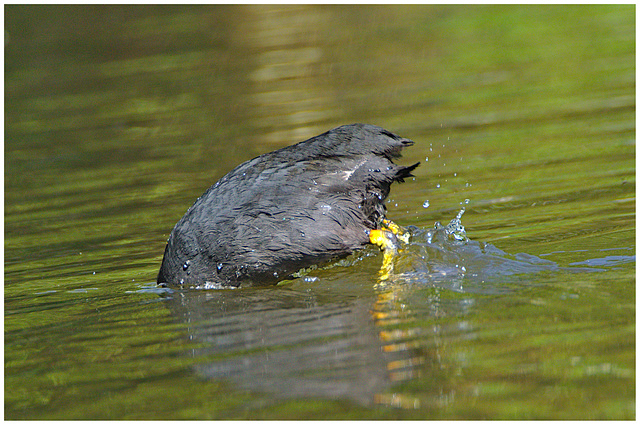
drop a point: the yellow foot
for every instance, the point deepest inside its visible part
(387, 239)
(397, 230)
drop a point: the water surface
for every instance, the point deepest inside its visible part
(117, 118)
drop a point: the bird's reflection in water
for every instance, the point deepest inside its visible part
(289, 343)
(344, 336)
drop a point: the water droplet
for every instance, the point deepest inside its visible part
(426, 159)
(438, 185)
(425, 204)
(219, 266)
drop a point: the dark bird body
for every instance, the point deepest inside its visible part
(305, 204)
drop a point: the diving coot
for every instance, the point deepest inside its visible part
(301, 205)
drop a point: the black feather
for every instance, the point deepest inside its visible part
(301, 205)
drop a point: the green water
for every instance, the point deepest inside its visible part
(117, 118)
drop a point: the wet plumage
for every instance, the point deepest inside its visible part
(305, 204)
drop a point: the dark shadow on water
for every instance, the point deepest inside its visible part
(285, 342)
(337, 332)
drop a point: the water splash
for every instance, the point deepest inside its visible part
(444, 256)
(452, 231)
